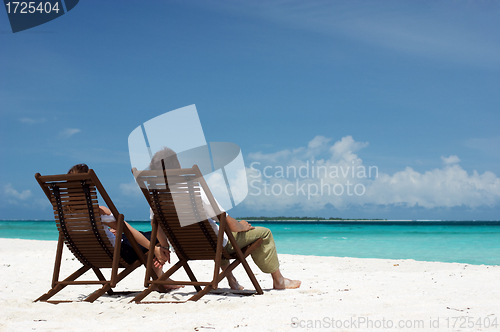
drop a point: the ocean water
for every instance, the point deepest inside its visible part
(473, 242)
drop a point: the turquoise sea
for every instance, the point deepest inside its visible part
(471, 242)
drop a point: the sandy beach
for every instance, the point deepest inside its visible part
(337, 293)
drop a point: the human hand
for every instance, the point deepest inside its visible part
(162, 255)
(165, 252)
(245, 226)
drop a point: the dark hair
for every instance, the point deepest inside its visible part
(79, 168)
(169, 158)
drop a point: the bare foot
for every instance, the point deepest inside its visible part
(173, 286)
(233, 284)
(280, 282)
(168, 288)
(286, 284)
(231, 280)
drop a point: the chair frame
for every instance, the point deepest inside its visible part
(48, 183)
(165, 220)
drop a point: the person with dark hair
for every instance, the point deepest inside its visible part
(162, 253)
(79, 168)
(265, 256)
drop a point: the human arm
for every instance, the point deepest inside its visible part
(160, 235)
(162, 255)
(235, 226)
(164, 246)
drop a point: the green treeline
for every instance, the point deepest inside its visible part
(298, 218)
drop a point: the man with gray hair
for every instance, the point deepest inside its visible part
(265, 256)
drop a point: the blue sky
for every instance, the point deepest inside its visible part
(408, 87)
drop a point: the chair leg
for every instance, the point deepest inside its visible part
(228, 270)
(201, 293)
(57, 266)
(107, 287)
(224, 273)
(98, 293)
(58, 287)
(190, 274)
(163, 277)
(99, 275)
(241, 258)
(249, 270)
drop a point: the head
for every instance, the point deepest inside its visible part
(79, 168)
(169, 158)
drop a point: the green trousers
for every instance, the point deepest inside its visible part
(265, 256)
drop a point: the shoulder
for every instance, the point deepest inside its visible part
(104, 210)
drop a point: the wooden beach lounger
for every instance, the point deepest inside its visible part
(197, 241)
(76, 212)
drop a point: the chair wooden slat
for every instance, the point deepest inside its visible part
(83, 233)
(175, 195)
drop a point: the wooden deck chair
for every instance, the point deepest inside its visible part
(197, 241)
(76, 212)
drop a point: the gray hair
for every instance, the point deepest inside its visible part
(169, 158)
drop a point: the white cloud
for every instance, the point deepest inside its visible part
(42, 203)
(218, 187)
(68, 132)
(447, 187)
(342, 179)
(238, 184)
(450, 160)
(32, 120)
(318, 141)
(345, 148)
(13, 196)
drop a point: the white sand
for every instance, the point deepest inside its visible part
(353, 294)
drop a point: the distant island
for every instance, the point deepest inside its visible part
(282, 218)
